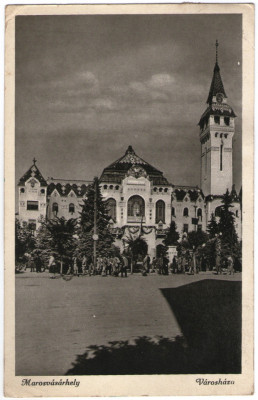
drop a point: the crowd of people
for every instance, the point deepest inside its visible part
(189, 262)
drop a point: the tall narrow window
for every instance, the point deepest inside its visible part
(136, 207)
(185, 212)
(160, 211)
(71, 208)
(55, 208)
(205, 160)
(221, 157)
(111, 209)
(226, 121)
(185, 228)
(173, 212)
(217, 119)
(218, 211)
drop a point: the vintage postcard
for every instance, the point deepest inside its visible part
(129, 200)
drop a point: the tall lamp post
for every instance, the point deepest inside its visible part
(95, 235)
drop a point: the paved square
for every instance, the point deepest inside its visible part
(57, 320)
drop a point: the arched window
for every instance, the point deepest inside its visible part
(136, 207)
(111, 208)
(160, 211)
(199, 213)
(185, 212)
(71, 208)
(218, 212)
(173, 211)
(55, 208)
(237, 213)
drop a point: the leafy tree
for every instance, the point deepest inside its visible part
(136, 246)
(57, 236)
(229, 239)
(24, 240)
(105, 240)
(213, 227)
(172, 235)
(197, 238)
(193, 240)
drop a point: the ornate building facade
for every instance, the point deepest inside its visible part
(138, 195)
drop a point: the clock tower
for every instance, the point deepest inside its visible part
(217, 128)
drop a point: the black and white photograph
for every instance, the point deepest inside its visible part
(128, 144)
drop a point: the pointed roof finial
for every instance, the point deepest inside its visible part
(130, 150)
(217, 45)
(34, 161)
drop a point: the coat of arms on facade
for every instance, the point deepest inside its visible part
(137, 171)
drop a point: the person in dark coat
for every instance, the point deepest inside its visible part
(31, 264)
(165, 265)
(174, 265)
(124, 266)
(37, 263)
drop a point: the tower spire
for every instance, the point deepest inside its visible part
(217, 45)
(216, 83)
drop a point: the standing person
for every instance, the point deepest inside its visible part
(31, 263)
(84, 264)
(183, 263)
(230, 265)
(165, 265)
(194, 267)
(218, 253)
(148, 263)
(191, 264)
(175, 265)
(145, 265)
(104, 266)
(116, 262)
(160, 265)
(37, 262)
(108, 266)
(52, 265)
(91, 267)
(153, 265)
(124, 266)
(75, 266)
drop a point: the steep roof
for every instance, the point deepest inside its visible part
(64, 186)
(116, 171)
(192, 191)
(34, 172)
(216, 84)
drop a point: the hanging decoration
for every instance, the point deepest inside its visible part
(133, 229)
(147, 230)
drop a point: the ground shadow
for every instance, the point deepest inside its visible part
(209, 314)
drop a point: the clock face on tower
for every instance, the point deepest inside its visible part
(219, 97)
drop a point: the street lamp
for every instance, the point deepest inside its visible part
(95, 235)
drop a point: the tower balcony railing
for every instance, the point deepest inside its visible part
(135, 219)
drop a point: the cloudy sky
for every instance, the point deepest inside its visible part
(89, 86)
